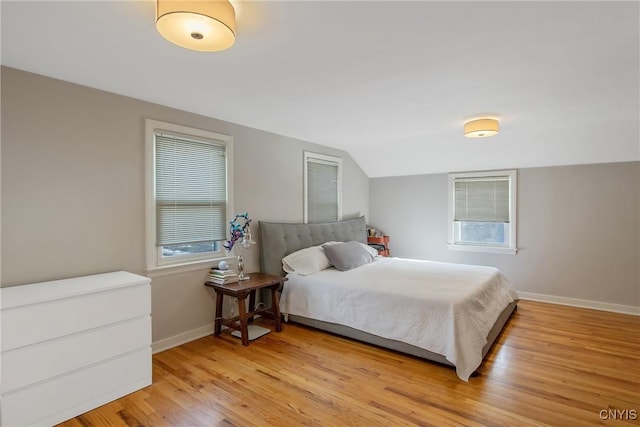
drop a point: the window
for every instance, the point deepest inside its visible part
(482, 211)
(322, 188)
(188, 196)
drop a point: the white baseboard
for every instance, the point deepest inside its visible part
(583, 303)
(185, 337)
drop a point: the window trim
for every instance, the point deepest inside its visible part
(324, 159)
(511, 248)
(154, 261)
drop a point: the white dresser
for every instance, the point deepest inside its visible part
(71, 345)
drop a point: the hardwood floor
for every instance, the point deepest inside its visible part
(552, 365)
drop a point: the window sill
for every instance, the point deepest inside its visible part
(486, 249)
(167, 270)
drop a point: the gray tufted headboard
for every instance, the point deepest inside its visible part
(280, 239)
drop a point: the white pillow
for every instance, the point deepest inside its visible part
(306, 261)
(373, 251)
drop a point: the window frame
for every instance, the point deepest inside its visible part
(322, 159)
(511, 246)
(156, 263)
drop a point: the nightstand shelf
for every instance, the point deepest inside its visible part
(381, 243)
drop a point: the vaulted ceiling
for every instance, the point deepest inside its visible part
(390, 82)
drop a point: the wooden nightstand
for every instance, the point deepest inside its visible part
(241, 290)
(381, 241)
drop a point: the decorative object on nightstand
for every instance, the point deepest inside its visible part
(381, 243)
(240, 232)
(222, 276)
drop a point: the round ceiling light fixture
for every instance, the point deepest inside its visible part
(202, 25)
(481, 128)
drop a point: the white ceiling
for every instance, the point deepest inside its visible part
(389, 82)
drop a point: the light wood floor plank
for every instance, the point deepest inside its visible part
(552, 366)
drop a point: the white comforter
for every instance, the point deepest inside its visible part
(444, 308)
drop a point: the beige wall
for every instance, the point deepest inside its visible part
(73, 189)
(73, 203)
(578, 229)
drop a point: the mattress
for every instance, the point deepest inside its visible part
(444, 308)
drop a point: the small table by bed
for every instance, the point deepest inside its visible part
(240, 290)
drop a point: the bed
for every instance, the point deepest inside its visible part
(454, 320)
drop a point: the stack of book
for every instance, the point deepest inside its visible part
(222, 277)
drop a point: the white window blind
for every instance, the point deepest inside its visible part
(322, 192)
(482, 211)
(482, 199)
(190, 190)
(322, 188)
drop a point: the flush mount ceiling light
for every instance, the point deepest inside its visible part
(203, 25)
(481, 128)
